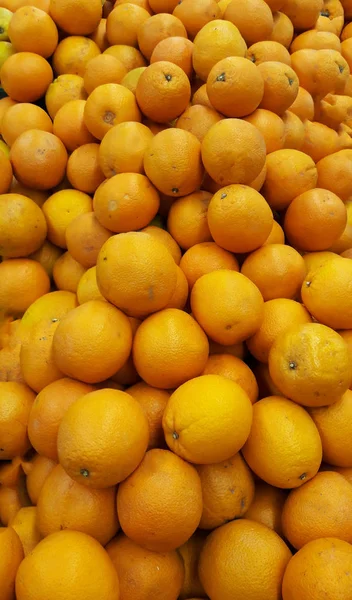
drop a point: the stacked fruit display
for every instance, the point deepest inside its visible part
(176, 300)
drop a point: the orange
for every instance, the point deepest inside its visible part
(130, 57)
(318, 70)
(278, 271)
(252, 17)
(227, 317)
(335, 173)
(173, 162)
(23, 228)
(325, 293)
(194, 15)
(36, 357)
(92, 342)
(177, 50)
(267, 506)
(20, 118)
(200, 96)
(65, 504)
(235, 369)
(67, 273)
(130, 80)
(85, 237)
(42, 4)
(5, 103)
(47, 412)
(157, 28)
(180, 295)
(315, 220)
(143, 572)
(198, 119)
(283, 29)
(169, 508)
(206, 257)
(284, 446)
(123, 24)
(38, 159)
(69, 125)
(5, 174)
(126, 202)
(73, 54)
(24, 524)
(239, 218)
(127, 374)
(71, 561)
(37, 471)
(314, 260)
(289, 174)
(47, 308)
(169, 348)
(12, 556)
(216, 40)
(144, 269)
(319, 509)
(60, 209)
(233, 552)
(76, 17)
(333, 424)
(294, 131)
(38, 196)
(63, 89)
(276, 236)
(268, 51)
(279, 315)
(320, 141)
(228, 491)
(310, 363)
(22, 282)
(303, 106)
(233, 151)
(123, 147)
(10, 366)
(153, 401)
(303, 13)
(102, 461)
(346, 51)
(187, 220)
(83, 168)
(33, 30)
(26, 76)
(335, 111)
(102, 69)
(16, 403)
(346, 32)
(10, 504)
(225, 426)
(109, 105)
(331, 18)
(190, 553)
(87, 288)
(316, 40)
(271, 126)
(281, 86)
(235, 87)
(325, 562)
(345, 471)
(165, 238)
(99, 35)
(163, 91)
(265, 382)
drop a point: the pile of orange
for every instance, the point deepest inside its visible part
(176, 300)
